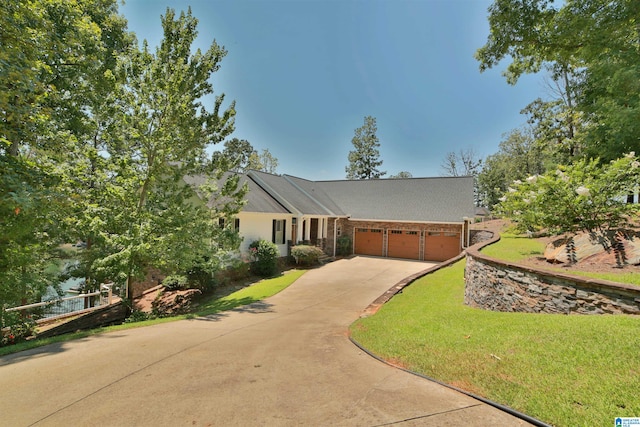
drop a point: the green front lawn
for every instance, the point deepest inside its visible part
(563, 370)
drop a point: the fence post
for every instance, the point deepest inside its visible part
(109, 288)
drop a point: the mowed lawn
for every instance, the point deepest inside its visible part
(563, 370)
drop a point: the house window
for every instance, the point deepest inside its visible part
(236, 224)
(277, 235)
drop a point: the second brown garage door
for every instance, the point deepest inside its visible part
(368, 241)
(440, 246)
(404, 244)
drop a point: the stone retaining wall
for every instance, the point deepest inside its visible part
(502, 286)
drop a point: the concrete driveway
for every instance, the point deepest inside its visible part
(285, 361)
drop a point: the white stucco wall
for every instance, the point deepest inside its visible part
(256, 226)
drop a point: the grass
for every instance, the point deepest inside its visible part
(514, 248)
(250, 294)
(518, 248)
(563, 370)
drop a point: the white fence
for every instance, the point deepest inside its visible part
(62, 307)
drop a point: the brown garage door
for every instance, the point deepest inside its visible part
(404, 244)
(368, 241)
(440, 246)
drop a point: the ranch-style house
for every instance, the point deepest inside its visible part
(413, 218)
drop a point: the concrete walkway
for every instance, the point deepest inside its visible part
(286, 361)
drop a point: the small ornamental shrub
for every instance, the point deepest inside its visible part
(306, 255)
(201, 279)
(264, 256)
(343, 246)
(174, 283)
(139, 316)
(15, 328)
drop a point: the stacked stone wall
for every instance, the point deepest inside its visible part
(501, 286)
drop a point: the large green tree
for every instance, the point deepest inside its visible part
(52, 52)
(96, 138)
(364, 160)
(599, 40)
(163, 129)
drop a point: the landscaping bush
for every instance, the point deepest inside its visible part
(201, 279)
(15, 328)
(174, 283)
(264, 255)
(343, 246)
(306, 255)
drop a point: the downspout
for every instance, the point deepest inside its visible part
(467, 226)
(335, 236)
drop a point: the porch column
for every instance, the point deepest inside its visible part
(307, 229)
(299, 228)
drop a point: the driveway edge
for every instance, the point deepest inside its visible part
(496, 405)
(397, 288)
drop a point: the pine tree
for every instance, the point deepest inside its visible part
(364, 160)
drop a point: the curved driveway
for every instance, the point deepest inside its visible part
(285, 361)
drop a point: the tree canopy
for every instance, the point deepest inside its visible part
(596, 43)
(239, 155)
(96, 137)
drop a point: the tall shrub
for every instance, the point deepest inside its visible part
(264, 255)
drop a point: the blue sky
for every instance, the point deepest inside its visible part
(305, 73)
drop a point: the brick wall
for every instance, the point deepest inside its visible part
(346, 227)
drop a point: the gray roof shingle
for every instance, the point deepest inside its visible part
(257, 199)
(441, 199)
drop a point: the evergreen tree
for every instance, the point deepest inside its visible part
(364, 159)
